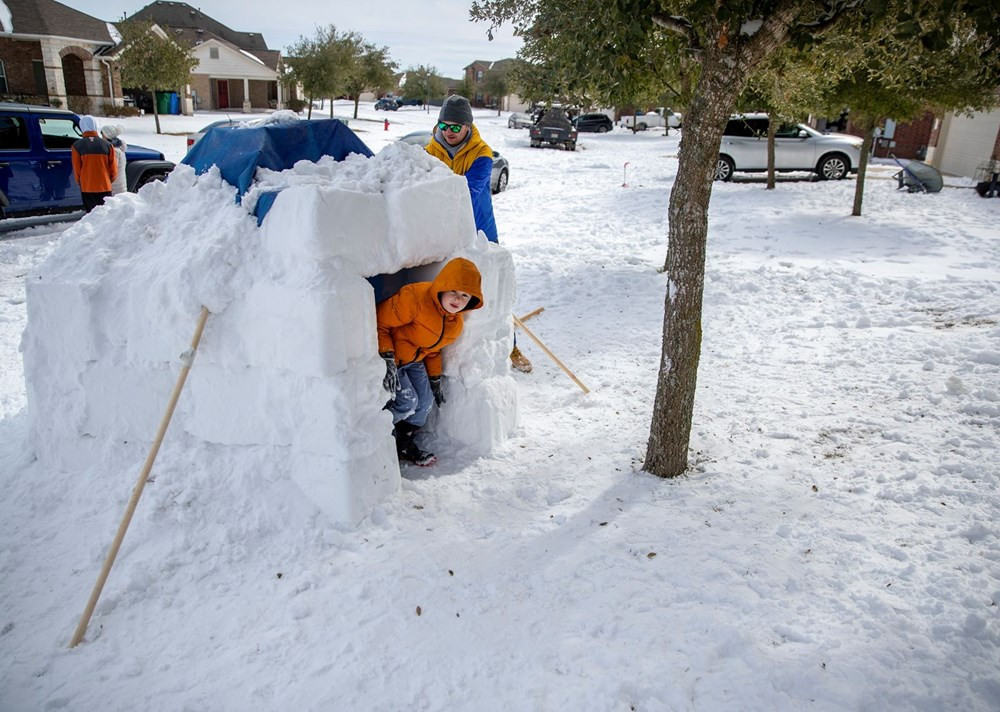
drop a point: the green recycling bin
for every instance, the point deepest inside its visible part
(162, 102)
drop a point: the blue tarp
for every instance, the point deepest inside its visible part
(238, 152)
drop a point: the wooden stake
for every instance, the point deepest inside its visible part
(537, 311)
(548, 353)
(186, 359)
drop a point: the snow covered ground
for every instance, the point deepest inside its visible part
(836, 547)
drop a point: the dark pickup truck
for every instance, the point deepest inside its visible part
(554, 128)
(36, 165)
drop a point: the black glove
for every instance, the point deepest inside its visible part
(436, 390)
(391, 380)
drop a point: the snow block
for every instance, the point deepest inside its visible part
(287, 376)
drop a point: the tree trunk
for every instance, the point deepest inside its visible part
(357, 100)
(772, 129)
(866, 148)
(309, 111)
(156, 114)
(726, 66)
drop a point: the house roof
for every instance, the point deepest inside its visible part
(194, 37)
(489, 66)
(180, 15)
(48, 17)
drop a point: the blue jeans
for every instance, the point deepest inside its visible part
(414, 398)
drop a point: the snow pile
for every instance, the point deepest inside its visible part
(288, 368)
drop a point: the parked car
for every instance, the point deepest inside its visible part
(555, 129)
(501, 169)
(797, 147)
(518, 120)
(386, 104)
(409, 101)
(599, 123)
(658, 118)
(36, 164)
(195, 137)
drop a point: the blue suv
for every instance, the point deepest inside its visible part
(36, 166)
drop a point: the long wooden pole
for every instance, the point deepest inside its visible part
(530, 314)
(548, 353)
(186, 359)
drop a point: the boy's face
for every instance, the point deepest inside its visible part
(454, 302)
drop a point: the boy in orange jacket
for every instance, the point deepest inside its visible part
(413, 326)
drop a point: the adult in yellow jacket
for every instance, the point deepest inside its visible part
(414, 325)
(457, 143)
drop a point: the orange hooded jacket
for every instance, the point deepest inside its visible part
(94, 163)
(413, 324)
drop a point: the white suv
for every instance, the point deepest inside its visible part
(797, 147)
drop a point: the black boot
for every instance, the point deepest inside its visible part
(406, 448)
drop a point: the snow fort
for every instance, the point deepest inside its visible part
(289, 233)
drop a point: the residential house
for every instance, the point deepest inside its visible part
(53, 54)
(236, 70)
(476, 74)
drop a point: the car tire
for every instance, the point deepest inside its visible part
(836, 166)
(501, 181)
(148, 178)
(510, 124)
(724, 168)
(571, 145)
(641, 127)
(602, 129)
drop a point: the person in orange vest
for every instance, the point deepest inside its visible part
(414, 325)
(94, 164)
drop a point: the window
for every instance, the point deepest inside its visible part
(3, 78)
(213, 52)
(38, 70)
(746, 127)
(479, 75)
(58, 133)
(13, 134)
(787, 131)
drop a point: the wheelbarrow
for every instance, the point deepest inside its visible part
(917, 177)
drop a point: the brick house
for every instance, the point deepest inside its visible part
(236, 70)
(53, 54)
(475, 75)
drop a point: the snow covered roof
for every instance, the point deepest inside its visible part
(179, 15)
(51, 18)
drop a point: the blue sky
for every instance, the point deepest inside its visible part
(432, 32)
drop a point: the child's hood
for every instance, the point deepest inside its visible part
(460, 275)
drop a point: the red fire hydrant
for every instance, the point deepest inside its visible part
(387, 124)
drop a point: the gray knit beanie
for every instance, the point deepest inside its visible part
(456, 110)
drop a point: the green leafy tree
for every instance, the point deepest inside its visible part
(464, 87)
(371, 69)
(151, 62)
(953, 70)
(321, 64)
(425, 82)
(615, 50)
(497, 86)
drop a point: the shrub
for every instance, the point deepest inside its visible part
(80, 104)
(109, 109)
(297, 105)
